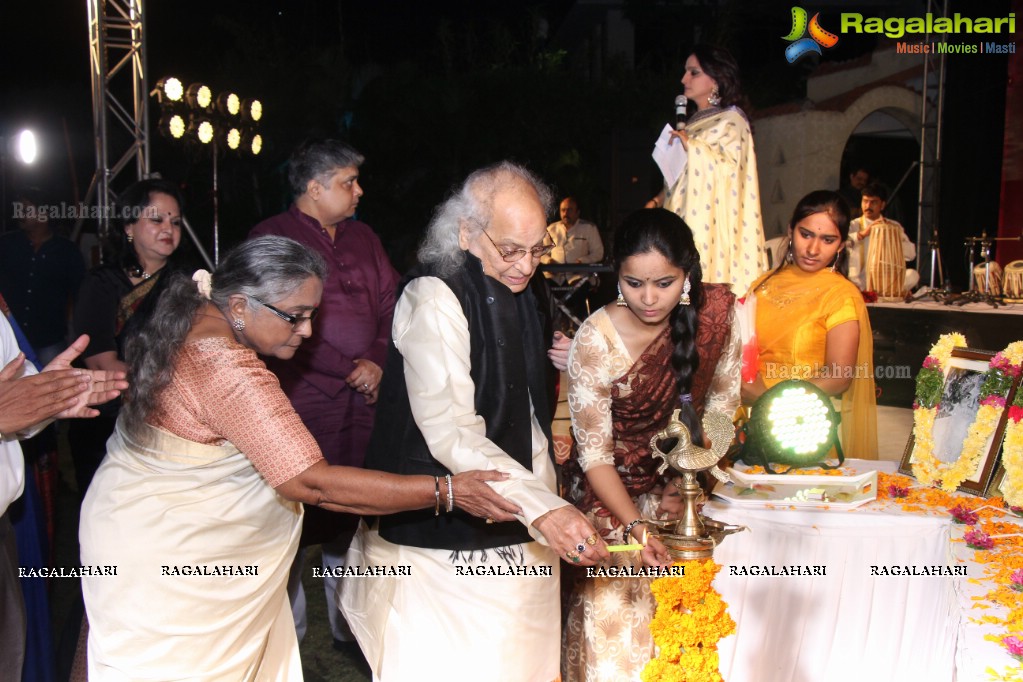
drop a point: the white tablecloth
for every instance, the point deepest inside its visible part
(848, 625)
(974, 654)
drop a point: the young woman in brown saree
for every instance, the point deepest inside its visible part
(669, 341)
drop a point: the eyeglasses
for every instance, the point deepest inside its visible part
(293, 320)
(517, 254)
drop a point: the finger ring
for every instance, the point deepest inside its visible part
(580, 548)
(575, 559)
(489, 520)
(592, 540)
(572, 555)
(365, 385)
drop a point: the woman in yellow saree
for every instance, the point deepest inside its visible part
(812, 324)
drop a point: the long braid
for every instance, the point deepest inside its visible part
(684, 358)
(664, 232)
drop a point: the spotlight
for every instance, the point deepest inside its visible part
(234, 138)
(257, 144)
(229, 104)
(173, 125)
(170, 88)
(203, 131)
(199, 96)
(253, 109)
(26, 145)
(792, 423)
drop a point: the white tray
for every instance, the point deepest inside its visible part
(771, 490)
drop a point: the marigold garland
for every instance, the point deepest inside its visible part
(1002, 562)
(1012, 454)
(1002, 369)
(690, 620)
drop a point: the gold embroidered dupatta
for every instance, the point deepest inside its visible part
(795, 311)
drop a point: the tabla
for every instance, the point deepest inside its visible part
(1012, 282)
(886, 268)
(990, 285)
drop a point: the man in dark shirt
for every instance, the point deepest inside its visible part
(39, 275)
(334, 377)
(859, 176)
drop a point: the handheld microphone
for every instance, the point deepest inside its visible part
(680, 112)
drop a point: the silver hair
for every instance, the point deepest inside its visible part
(319, 160)
(471, 205)
(263, 269)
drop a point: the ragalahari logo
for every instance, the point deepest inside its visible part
(802, 46)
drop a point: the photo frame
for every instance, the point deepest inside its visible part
(957, 410)
(994, 486)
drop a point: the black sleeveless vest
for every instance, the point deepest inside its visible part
(508, 364)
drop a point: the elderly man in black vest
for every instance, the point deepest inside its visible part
(465, 385)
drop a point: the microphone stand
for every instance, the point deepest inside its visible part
(974, 294)
(939, 293)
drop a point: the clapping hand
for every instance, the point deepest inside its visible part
(100, 385)
(60, 390)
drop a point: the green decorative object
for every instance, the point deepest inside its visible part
(792, 423)
(929, 382)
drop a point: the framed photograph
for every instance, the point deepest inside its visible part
(994, 488)
(957, 410)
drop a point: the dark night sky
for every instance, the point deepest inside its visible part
(45, 81)
(259, 47)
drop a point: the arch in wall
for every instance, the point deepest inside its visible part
(801, 151)
(886, 140)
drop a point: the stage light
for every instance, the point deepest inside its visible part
(204, 131)
(253, 109)
(170, 88)
(257, 144)
(173, 125)
(25, 144)
(229, 104)
(199, 96)
(234, 138)
(792, 423)
(24, 148)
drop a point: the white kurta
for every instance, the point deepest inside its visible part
(12, 462)
(438, 620)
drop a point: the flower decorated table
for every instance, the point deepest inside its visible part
(977, 647)
(842, 613)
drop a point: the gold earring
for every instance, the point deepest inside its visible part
(684, 298)
(621, 299)
(130, 238)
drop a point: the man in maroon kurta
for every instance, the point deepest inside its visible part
(334, 377)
